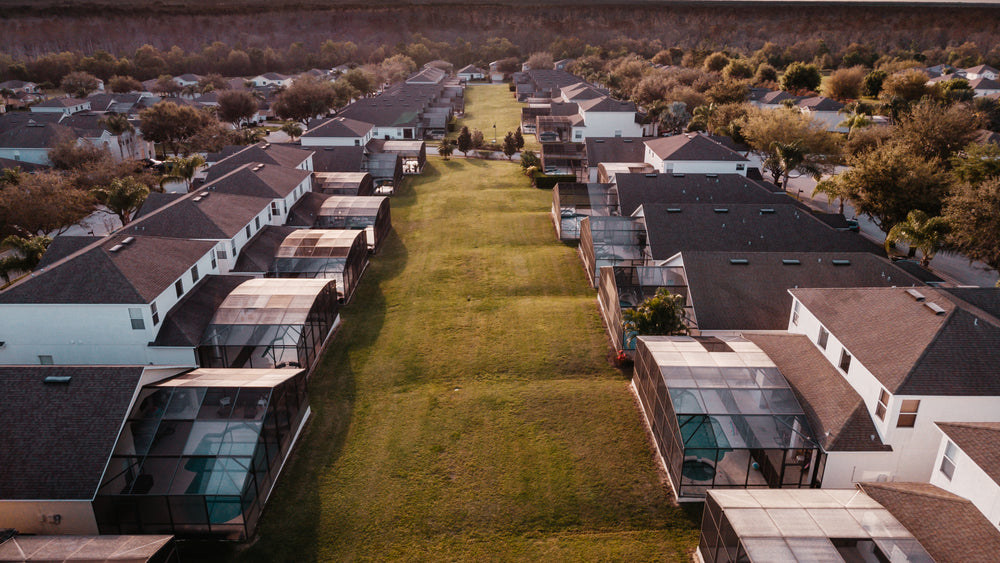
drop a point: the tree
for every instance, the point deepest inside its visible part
(910, 85)
(172, 125)
(661, 314)
(871, 86)
(465, 140)
(293, 130)
(68, 153)
(123, 197)
(478, 140)
(445, 149)
(973, 212)
(787, 141)
(976, 163)
(674, 117)
(833, 190)
(237, 107)
(738, 69)
(889, 181)
(305, 99)
(921, 232)
(166, 86)
(42, 203)
(715, 62)
(396, 68)
(801, 77)
(123, 84)
(845, 83)
(519, 138)
(118, 125)
(25, 254)
(343, 93)
(509, 145)
(361, 80)
(939, 132)
(79, 84)
(765, 74)
(212, 82)
(183, 169)
(540, 61)
(529, 160)
(728, 92)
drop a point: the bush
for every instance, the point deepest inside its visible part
(548, 181)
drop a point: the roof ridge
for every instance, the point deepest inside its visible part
(942, 495)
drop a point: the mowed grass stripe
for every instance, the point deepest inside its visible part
(539, 452)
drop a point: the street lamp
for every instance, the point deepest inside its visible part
(494, 132)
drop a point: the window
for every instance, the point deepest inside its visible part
(156, 314)
(214, 263)
(795, 312)
(948, 461)
(179, 287)
(908, 413)
(45, 360)
(220, 254)
(194, 274)
(618, 132)
(256, 222)
(740, 166)
(135, 315)
(845, 360)
(883, 404)
(274, 208)
(357, 142)
(247, 231)
(824, 336)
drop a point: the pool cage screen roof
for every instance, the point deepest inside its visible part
(347, 205)
(229, 377)
(318, 243)
(270, 302)
(718, 378)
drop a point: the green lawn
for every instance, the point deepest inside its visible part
(466, 410)
(486, 104)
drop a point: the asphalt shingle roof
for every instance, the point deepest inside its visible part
(639, 189)
(692, 146)
(980, 441)
(339, 127)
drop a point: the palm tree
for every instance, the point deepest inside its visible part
(792, 156)
(856, 121)
(26, 254)
(292, 129)
(118, 125)
(123, 197)
(10, 176)
(702, 117)
(833, 189)
(445, 149)
(181, 168)
(920, 231)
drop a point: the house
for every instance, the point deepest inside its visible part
(563, 64)
(873, 522)
(967, 464)
(427, 75)
(693, 153)
(773, 99)
(187, 79)
(235, 156)
(338, 132)
(272, 79)
(932, 362)
(827, 111)
(985, 86)
(471, 72)
(496, 75)
(637, 189)
(981, 71)
(66, 106)
(20, 86)
(611, 151)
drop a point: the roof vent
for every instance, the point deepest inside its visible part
(196, 199)
(790, 262)
(651, 174)
(678, 175)
(916, 295)
(128, 240)
(739, 261)
(626, 140)
(673, 210)
(116, 248)
(841, 262)
(711, 175)
(598, 140)
(767, 210)
(722, 210)
(934, 307)
(62, 379)
(204, 194)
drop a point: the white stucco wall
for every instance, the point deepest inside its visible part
(74, 517)
(610, 124)
(969, 481)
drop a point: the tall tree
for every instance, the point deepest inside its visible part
(973, 212)
(800, 77)
(79, 84)
(519, 138)
(122, 198)
(237, 107)
(445, 149)
(171, 125)
(976, 163)
(662, 314)
(305, 99)
(123, 84)
(465, 140)
(921, 232)
(674, 117)
(166, 86)
(787, 141)
(509, 145)
(934, 131)
(183, 169)
(42, 203)
(293, 130)
(24, 255)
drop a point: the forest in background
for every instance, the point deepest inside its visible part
(101, 26)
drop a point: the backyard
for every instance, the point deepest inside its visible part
(486, 104)
(466, 411)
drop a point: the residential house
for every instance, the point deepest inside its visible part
(612, 151)
(968, 464)
(981, 71)
(985, 86)
(66, 106)
(827, 111)
(187, 79)
(563, 64)
(272, 79)
(692, 153)
(20, 86)
(471, 72)
(338, 132)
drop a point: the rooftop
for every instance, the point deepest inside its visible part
(980, 441)
(692, 146)
(134, 549)
(635, 190)
(339, 127)
(185, 323)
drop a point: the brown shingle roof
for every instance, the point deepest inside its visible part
(835, 411)
(906, 346)
(949, 527)
(652, 188)
(258, 180)
(692, 146)
(57, 437)
(615, 149)
(135, 274)
(219, 216)
(339, 127)
(980, 441)
(232, 158)
(754, 295)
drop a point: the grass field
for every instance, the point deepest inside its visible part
(486, 104)
(466, 411)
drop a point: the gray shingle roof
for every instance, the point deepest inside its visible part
(305, 211)
(906, 346)
(217, 217)
(950, 528)
(647, 189)
(339, 127)
(338, 159)
(835, 411)
(258, 180)
(692, 146)
(135, 274)
(980, 441)
(754, 295)
(60, 103)
(615, 149)
(746, 227)
(232, 157)
(57, 438)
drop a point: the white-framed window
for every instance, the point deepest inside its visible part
(845, 360)
(948, 460)
(274, 208)
(247, 230)
(135, 315)
(795, 312)
(256, 222)
(824, 337)
(179, 287)
(214, 263)
(908, 413)
(45, 360)
(883, 404)
(194, 274)
(156, 314)
(740, 166)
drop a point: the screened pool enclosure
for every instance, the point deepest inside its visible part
(271, 323)
(357, 212)
(323, 253)
(722, 415)
(199, 453)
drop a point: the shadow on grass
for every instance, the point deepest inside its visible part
(289, 527)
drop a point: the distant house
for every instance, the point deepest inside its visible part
(981, 71)
(984, 86)
(188, 79)
(272, 79)
(968, 464)
(824, 110)
(471, 72)
(18, 86)
(563, 64)
(693, 153)
(338, 132)
(429, 75)
(67, 106)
